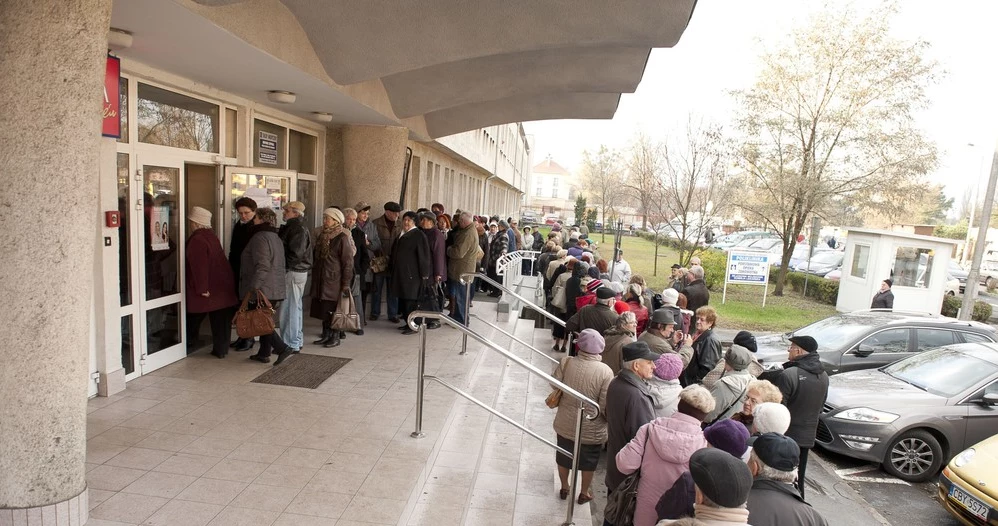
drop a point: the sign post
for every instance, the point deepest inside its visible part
(747, 268)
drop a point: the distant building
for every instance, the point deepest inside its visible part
(552, 190)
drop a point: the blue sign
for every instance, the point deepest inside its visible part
(750, 268)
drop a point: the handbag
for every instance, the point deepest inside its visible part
(428, 298)
(621, 501)
(258, 321)
(554, 399)
(345, 317)
(379, 264)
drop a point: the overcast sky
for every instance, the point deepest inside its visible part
(717, 54)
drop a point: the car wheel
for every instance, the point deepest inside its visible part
(915, 456)
(950, 293)
(991, 283)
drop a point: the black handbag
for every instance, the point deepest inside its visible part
(620, 503)
(428, 299)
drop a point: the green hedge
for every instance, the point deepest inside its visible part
(821, 289)
(952, 304)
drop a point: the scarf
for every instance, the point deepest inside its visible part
(328, 234)
(732, 515)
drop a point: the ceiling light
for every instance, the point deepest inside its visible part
(322, 116)
(281, 97)
(118, 39)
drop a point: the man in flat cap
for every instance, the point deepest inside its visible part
(722, 483)
(389, 229)
(599, 316)
(773, 499)
(630, 404)
(804, 384)
(662, 337)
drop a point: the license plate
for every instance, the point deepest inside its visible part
(972, 505)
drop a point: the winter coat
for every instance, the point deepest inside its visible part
(588, 375)
(662, 345)
(461, 254)
(629, 405)
(538, 243)
(883, 300)
(640, 313)
(410, 265)
(697, 295)
(362, 256)
(615, 340)
(662, 450)
(804, 384)
(371, 231)
(208, 271)
(754, 368)
(514, 239)
(573, 288)
(438, 252)
(597, 317)
(729, 394)
(297, 245)
(387, 236)
(483, 243)
(240, 237)
(706, 353)
(666, 394)
(678, 500)
(772, 503)
(334, 272)
(497, 248)
(261, 266)
(621, 272)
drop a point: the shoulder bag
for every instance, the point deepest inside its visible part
(620, 503)
(258, 321)
(379, 264)
(345, 317)
(554, 399)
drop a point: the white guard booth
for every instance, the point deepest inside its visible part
(917, 265)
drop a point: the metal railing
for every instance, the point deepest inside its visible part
(515, 339)
(468, 279)
(584, 401)
(510, 267)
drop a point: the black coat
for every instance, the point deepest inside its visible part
(362, 259)
(883, 300)
(804, 384)
(706, 353)
(240, 238)
(410, 265)
(629, 405)
(697, 295)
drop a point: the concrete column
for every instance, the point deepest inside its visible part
(51, 78)
(373, 159)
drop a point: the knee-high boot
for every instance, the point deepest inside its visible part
(327, 333)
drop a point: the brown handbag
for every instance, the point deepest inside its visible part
(256, 322)
(379, 264)
(345, 317)
(554, 399)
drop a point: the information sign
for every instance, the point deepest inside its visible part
(747, 268)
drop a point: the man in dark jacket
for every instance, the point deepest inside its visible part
(245, 208)
(438, 255)
(599, 316)
(298, 261)
(804, 384)
(884, 299)
(695, 290)
(389, 227)
(773, 500)
(629, 404)
(706, 348)
(410, 268)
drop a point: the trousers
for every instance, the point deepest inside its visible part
(289, 316)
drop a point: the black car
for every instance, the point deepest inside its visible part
(872, 338)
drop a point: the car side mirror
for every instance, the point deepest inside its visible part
(864, 350)
(990, 398)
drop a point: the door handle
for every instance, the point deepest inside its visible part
(954, 417)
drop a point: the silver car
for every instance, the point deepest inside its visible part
(912, 416)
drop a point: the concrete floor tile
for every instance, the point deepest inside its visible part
(128, 508)
(291, 519)
(173, 407)
(230, 516)
(330, 481)
(188, 425)
(212, 447)
(256, 452)
(286, 476)
(362, 446)
(496, 481)
(350, 463)
(328, 505)
(444, 496)
(96, 496)
(112, 478)
(261, 497)
(429, 515)
(491, 499)
(212, 491)
(100, 451)
(484, 517)
(151, 421)
(157, 484)
(303, 457)
(238, 470)
(378, 511)
(126, 436)
(182, 512)
(448, 476)
(167, 441)
(187, 464)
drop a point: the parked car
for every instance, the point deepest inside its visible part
(953, 286)
(801, 253)
(732, 239)
(989, 273)
(551, 219)
(873, 338)
(956, 271)
(835, 275)
(913, 415)
(528, 217)
(968, 487)
(821, 263)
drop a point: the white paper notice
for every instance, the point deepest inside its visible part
(159, 234)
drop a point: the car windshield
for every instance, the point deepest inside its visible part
(943, 372)
(834, 333)
(764, 244)
(827, 258)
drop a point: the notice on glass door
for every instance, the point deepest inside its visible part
(159, 225)
(267, 148)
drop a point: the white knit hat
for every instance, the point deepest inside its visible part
(770, 417)
(200, 216)
(333, 213)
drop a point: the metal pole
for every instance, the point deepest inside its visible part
(973, 209)
(974, 276)
(467, 310)
(573, 485)
(421, 380)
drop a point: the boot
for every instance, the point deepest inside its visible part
(327, 333)
(333, 340)
(343, 335)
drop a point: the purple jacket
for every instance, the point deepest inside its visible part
(438, 251)
(662, 449)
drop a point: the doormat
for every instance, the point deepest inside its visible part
(302, 370)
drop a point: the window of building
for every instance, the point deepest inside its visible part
(301, 152)
(123, 109)
(167, 118)
(554, 187)
(571, 193)
(269, 141)
(231, 133)
(860, 261)
(912, 267)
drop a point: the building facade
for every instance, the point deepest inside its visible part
(553, 190)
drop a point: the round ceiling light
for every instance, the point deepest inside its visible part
(118, 39)
(322, 116)
(281, 97)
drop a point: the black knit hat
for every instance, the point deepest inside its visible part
(747, 340)
(721, 477)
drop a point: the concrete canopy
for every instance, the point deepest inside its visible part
(444, 58)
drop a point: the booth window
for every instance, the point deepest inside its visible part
(171, 119)
(860, 261)
(912, 267)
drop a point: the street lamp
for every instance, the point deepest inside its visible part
(973, 206)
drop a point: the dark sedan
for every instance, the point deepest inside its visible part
(870, 339)
(912, 416)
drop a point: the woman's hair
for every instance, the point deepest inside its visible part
(347, 212)
(248, 203)
(550, 246)
(625, 318)
(681, 301)
(602, 266)
(446, 219)
(267, 215)
(633, 291)
(570, 264)
(708, 313)
(698, 397)
(561, 253)
(636, 278)
(767, 391)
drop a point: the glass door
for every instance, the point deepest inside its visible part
(270, 188)
(160, 315)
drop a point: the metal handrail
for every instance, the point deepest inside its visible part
(565, 389)
(515, 339)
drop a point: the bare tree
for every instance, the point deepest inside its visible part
(603, 179)
(694, 183)
(830, 117)
(644, 168)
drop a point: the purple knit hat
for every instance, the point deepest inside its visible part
(591, 342)
(728, 435)
(668, 366)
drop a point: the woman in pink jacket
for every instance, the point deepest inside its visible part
(662, 449)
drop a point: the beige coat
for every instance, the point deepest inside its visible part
(588, 375)
(613, 353)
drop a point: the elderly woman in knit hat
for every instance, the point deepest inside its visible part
(210, 284)
(587, 374)
(332, 273)
(746, 340)
(664, 384)
(662, 449)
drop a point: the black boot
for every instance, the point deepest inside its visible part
(333, 340)
(343, 335)
(327, 333)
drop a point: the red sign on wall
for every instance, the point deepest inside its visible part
(112, 100)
